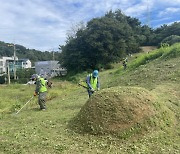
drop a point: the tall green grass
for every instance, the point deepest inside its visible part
(164, 52)
(14, 96)
(173, 52)
(75, 77)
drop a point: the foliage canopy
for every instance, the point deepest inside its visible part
(108, 39)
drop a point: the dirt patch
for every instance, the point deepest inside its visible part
(115, 110)
(148, 48)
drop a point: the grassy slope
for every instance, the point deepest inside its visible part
(33, 131)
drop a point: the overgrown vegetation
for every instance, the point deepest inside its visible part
(24, 75)
(34, 131)
(110, 38)
(163, 52)
(171, 39)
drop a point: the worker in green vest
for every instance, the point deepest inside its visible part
(125, 63)
(40, 90)
(93, 83)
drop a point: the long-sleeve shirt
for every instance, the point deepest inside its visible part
(88, 81)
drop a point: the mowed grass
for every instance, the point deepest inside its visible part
(34, 131)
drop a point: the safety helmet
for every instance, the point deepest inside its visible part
(95, 73)
(41, 75)
(35, 77)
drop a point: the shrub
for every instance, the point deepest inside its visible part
(143, 59)
(108, 66)
(171, 39)
(173, 52)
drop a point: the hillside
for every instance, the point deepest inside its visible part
(154, 77)
(7, 50)
(148, 48)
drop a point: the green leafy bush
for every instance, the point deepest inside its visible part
(173, 52)
(171, 39)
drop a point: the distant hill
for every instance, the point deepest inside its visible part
(6, 49)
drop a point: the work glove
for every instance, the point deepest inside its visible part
(35, 93)
(92, 90)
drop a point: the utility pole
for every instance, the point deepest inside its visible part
(52, 50)
(14, 61)
(53, 55)
(53, 62)
(14, 49)
(9, 80)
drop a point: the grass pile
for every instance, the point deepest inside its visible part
(123, 112)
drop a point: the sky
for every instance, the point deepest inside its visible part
(44, 24)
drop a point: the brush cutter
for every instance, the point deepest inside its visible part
(25, 104)
(85, 87)
(82, 85)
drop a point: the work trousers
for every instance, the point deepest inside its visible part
(42, 100)
(90, 92)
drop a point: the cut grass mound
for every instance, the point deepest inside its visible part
(121, 111)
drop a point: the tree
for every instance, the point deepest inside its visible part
(74, 29)
(103, 41)
(165, 31)
(24, 74)
(108, 39)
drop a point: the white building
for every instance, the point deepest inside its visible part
(21, 63)
(26, 63)
(3, 64)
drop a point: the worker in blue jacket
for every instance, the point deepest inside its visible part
(93, 83)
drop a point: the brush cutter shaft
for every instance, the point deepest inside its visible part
(85, 87)
(82, 86)
(25, 104)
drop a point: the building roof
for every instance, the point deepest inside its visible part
(23, 59)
